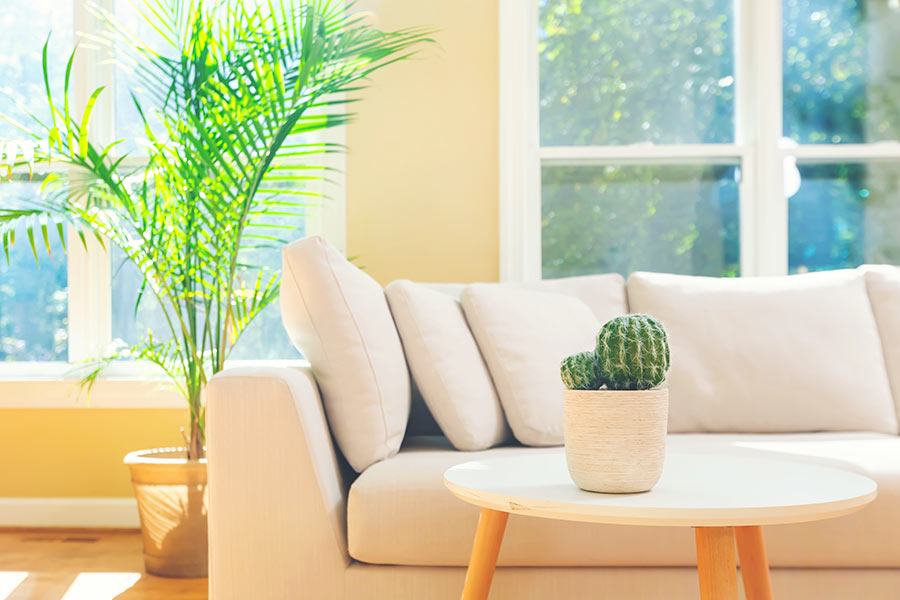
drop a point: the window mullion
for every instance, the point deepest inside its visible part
(641, 154)
(746, 126)
(760, 118)
(836, 153)
(519, 161)
(88, 265)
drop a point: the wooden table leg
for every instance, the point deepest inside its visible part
(488, 538)
(716, 565)
(754, 564)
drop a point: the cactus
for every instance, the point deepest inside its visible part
(580, 372)
(632, 353)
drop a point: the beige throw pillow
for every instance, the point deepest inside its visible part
(446, 364)
(339, 319)
(604, 294)
(883, 283)
(770, 354)
(524, 332)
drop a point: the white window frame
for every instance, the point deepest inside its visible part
(51, 384)
(757, 149)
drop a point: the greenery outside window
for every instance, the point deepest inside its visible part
(707, 137)
(76, 305)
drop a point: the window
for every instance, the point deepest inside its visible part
(707, 137)
(33, 299)
(619, 218)
(71, 307)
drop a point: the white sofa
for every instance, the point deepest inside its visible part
(290, 518)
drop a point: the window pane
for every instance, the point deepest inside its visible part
(621, 72)
(841, 76)
(126, 288)
(265, 338)
(673, 218)
(129, 126)
(21, 74)
(33, 299)
(844, 215)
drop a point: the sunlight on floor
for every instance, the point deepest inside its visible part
(9, 581)
(100, 586)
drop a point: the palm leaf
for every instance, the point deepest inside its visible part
(229, 101)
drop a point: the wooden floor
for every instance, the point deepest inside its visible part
(44, 564)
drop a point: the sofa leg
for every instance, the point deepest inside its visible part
(491, 526)
(716, 565)
(754, 564)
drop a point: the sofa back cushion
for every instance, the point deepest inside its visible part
(525, 330)
(446, 365)
(770, 354)
(339, 319)
(883, 283)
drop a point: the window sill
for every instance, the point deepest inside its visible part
(135, 386)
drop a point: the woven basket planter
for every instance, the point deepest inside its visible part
(172, 502)
(615, 440)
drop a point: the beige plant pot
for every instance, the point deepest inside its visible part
(615, 440)
(172, 502)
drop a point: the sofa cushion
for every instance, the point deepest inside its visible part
(399, 507)
(523, 336)
(339, 319)
(446, 364)
(604, 294)
(770, 354)
(883, 283)
(524, 330)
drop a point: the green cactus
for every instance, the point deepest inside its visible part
(580, 372)
(632, 353)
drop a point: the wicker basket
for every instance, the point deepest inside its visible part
(172, 501)
(615, 440)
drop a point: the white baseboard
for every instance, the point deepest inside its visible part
(69, 512)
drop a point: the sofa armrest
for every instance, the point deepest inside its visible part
(277, 500)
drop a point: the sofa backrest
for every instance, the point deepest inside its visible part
(798, 353)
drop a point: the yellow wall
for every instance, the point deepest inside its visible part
(78, 452)
(422, 167)
(421, 204)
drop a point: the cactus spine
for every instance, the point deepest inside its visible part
(632, 353)
(580, 372)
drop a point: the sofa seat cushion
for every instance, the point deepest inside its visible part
(400, 513)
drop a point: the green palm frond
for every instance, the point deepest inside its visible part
(229, 100)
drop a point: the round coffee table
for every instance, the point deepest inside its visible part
(726, 498)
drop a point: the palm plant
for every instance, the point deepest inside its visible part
(231, 96)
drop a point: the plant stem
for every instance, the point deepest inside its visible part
(195, 446)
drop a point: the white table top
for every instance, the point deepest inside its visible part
(695, 490)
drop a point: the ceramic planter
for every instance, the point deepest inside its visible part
(172, 502)
(615, 440)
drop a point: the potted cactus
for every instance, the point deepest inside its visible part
(615, 413)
